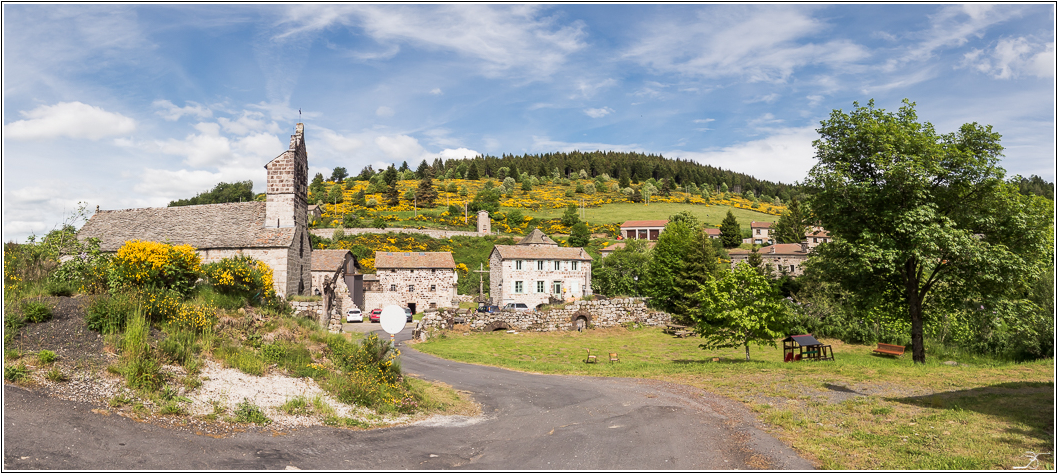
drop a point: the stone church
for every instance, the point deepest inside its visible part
(274, 232)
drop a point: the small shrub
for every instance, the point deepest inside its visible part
(172, 408)
(345, 422)
(119, 400)
(242, 276)
(247, 412)
(12, 323)
(16, 373)
(179, 346)
(59, 288)
(139, 366)
(298, 405)
(55, 375)
(154, 265)
(107, 314)
(46, 357)
(36, 311)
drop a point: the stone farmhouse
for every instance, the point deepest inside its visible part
(274, 232)
(817, 235)
(336, 277)
(537, 271)
(783, 258)
(414, 280)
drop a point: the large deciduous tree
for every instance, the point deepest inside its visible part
(737, 308)
(622, 272)
(916, 215)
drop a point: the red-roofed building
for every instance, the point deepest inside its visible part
(783, 258)
(648, 230)
(760, 233)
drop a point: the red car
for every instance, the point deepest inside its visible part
(376, 314)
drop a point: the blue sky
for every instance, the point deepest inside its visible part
(135, 105)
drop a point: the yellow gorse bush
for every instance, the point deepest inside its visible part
(242, 276)
(155, 264)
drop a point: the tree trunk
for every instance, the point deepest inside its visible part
(747, 352)
(914, 309)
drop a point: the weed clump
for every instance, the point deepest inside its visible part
(247, 412)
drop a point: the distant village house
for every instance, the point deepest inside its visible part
(414, 280)
(537, 271)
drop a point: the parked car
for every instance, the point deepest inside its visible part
(407, 311)
(516, 307)
(376, 315)
(488, 308)
(354, 316)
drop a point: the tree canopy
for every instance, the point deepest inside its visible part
(917, 215)
(793, 224)
(737, 308)
(730, 232)
(238, 191)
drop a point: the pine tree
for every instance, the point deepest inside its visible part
(730, 232)
(392, 187)
(472, 173)
(426, 194)
(792, 225)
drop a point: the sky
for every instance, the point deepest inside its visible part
(124, 106)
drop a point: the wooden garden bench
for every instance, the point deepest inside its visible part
(590, 359)
(890, 349)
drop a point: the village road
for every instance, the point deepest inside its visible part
(529, 421)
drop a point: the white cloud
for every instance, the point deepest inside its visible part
(206, 148)
(785, 156)
(1013, 56)
(68, 119)
(384, 111)
(760, 44)
(764, 98)
(249, 122)
(597, 113)
(176, 184)
(763, 120)
(704, 120)
(814, 100)
(544, 144)
(400, 147)
(587, 89)
(339, 143)
(502, 37)
(172, 113)
(458, 153)
(953, 26)
(436, 91)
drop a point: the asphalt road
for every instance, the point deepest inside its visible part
(529, 421)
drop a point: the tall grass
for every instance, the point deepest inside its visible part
(140, 366)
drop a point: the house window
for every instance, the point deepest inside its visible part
(517, 287)
(517, 264)
(392, 287)
(573, 265)
(556, 287)
(411, 288)
(539, 264)
(558, 265)
(539, 287)
(433, 287)
(791, 268)
(758, 231)
(433, 270)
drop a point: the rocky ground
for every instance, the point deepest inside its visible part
(84, 356)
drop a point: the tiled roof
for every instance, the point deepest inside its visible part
(206, 226)
(820, 233)
(511, 252)
(764, 225)
(660, 223)
(537, 237)
(329, 260)
(414, 260)
(712, 231)
(780, 249)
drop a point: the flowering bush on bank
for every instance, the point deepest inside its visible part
(155, 264)
(241, 276)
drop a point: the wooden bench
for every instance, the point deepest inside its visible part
(889, 349)
(683, 333)
(614, 358)
(590, 359)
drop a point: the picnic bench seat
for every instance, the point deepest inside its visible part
(889, 349)
(683, 333)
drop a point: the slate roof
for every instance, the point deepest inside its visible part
(206, 226)
(537, 237)
(637, 224)
(524, 252)
(414, 260)
(330, 260)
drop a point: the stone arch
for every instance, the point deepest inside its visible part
(496, 326)
(580, 320)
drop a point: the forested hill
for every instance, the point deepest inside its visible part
(617, 164)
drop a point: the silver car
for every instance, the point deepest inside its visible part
(516, 307)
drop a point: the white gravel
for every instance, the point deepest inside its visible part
(228, 387)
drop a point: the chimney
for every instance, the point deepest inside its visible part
(772, 248)
(804, 246)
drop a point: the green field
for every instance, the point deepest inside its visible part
(859, 412)
(621, 212)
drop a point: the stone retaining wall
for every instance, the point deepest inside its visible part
(435, 233)
(598, 313)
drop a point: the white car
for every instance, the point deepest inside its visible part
(354, 316)
(516, 307)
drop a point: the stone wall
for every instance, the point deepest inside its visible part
(394, 289)
(598, 313)
(435, 233)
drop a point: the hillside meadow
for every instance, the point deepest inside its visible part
(860, 411)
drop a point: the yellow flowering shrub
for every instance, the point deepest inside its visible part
(154, 264)
(241, 276)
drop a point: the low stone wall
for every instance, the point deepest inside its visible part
(314, 307)
(435, 233)
(598, 313)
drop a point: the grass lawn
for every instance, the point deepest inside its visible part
(623, 211)
(860, 411)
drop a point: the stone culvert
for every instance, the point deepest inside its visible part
(496, 326)
(580, 320)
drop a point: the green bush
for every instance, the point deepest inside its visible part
(154, 265)
(371, 374)
(60, 288)
(241, 276)
(12, 323)
(16, 373)
(179, 346)
(243, 359)
(36, 311)
(46, 357)
(139, 366)
(108, 314)
(247, 412)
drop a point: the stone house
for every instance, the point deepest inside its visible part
(274, 231)
(817, 235)
(414, 280)
(760, 233)
(649, 230)
(336, 277)
(537, 271)
(783, 258)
